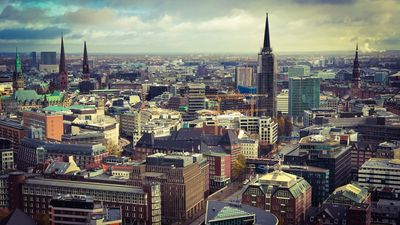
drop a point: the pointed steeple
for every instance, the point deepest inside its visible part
(85, 69)
(18, 65)
(18, 80)
(62, 57)
(356, 71)
(267, 43)
(62, 82)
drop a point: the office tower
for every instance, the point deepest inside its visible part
(85, 64)
(356, 72)
(184, 183)
(196, 99)
(324, 151)
(303, 95)
(33, 59)
(282, 102)
(285, 195)
(244, 76)
(48, 58)
(266, 83)
(18, 80)
(62, 71)
(298, 71)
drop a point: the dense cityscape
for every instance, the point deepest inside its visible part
(263, 138)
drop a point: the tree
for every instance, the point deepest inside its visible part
(288, 126)
(113, 149)
(239, 167)
(281, 125)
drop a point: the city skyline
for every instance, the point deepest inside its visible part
(224, 27)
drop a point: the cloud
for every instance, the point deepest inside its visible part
(330, 2)
(32, 34)
(28, 15)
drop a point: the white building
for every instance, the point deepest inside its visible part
(282, 102)
(265, 127)
(380, 173)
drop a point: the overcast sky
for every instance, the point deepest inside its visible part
(198, 26)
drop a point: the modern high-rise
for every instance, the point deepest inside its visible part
(266, 82)
(304, 94)
(33, 62)
(265, 127)
(196, 99)
(62, 71)
(48, 58)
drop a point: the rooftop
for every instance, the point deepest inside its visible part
(382, 163)
(84, 185)
(218, 210)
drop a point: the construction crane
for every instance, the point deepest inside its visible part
(249, 112)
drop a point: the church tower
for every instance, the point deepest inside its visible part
(62, 71)
(18, 79)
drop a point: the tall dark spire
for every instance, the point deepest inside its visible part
(62, 57)
(356, 70)
(85, 68)
(267, 43)
(62, 72)
(266, 78)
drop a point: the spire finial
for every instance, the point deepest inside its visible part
(267, 44)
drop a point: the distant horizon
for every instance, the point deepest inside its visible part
(285, 53)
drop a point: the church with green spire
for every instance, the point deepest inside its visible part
(18, 79)
(22, 99)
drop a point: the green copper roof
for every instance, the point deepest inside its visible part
(18, 65)
(56, 96)
(353, 191)
(22, 95)
(299, 188)
(229, 212)
(55, 108)
(82, 107)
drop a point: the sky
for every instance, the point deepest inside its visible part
(198, 26)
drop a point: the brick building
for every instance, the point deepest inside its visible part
(52, 125)
(286, 196)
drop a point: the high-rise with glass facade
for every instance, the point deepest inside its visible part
(266, 78)
(304, 93)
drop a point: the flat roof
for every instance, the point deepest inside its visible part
(85, 185)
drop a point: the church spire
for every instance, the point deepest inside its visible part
(356, 70)
(62, 72)
(18, 65)
(18, 81)
(267, 44)
(85, 65)
(62, 57)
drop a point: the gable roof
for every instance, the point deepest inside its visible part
(17, 217)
